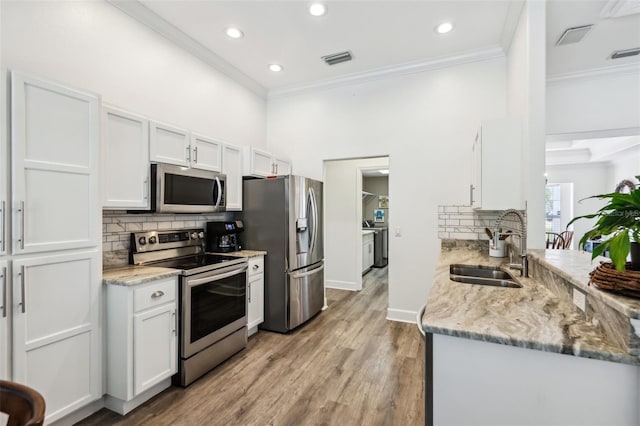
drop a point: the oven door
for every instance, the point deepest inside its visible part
(214, 304)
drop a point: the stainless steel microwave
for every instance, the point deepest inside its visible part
(177, 189)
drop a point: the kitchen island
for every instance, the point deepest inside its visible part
(528, 355)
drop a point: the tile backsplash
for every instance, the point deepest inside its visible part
(465, 223)
(117, 227)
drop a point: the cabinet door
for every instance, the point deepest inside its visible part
(206, 153)
(261, 163)
(4, 321)
(154, 346)
(476, 172)
(168, 144)
(4, 170)
(125, 160)
(55, 153)
(56, 329)
(255, 312)
(232, 167)
(282, 167)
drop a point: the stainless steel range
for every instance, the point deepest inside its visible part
(213, 302)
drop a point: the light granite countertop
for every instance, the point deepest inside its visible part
(574, 266)
(367, 232)
(530, 317)
(135, 275)
(244, 253)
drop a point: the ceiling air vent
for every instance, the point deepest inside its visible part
(336, 58)
(624, 53)
(573, 35)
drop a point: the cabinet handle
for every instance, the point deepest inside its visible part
(22, 303)
(145, 185)
(195, 154)
(249, 296)
(471, 194)
(188, 154)
(3, 277)
(21, 239)
(256, 266)
(2, 206)
(175, 325)
(156, 294)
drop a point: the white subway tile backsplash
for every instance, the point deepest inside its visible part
(465, 223)
(150, 226)
(115, 227)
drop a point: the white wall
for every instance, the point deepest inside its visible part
(93, 46)
(625, 166)
(526, 74)
(593, 103)
(426, 123)
(588, 180)
(343, 221)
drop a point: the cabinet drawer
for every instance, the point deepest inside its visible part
(256, 265)
(154, 294)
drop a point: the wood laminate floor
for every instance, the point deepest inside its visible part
(347, 366)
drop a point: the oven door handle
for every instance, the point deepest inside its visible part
(193, 283)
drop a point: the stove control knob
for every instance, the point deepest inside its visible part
(142, 240)
(194, 235)
(153, 239)
(200, 235)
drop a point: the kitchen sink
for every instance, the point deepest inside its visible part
(482, 275)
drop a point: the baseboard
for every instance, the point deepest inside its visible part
(123, 407)
(401, 315)
(80, 414)
(342, 285)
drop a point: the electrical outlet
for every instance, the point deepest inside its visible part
(580, 300)
(398, 232)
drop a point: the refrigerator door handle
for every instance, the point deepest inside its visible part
(314, 208)
(307, 273)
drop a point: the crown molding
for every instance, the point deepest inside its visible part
(615, 70)
(406, 68)
(155, 22)
(594, 134)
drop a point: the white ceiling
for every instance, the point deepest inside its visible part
(381, 34)
(593, 150)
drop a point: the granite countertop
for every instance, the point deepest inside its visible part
(574, 266)
(134, 275)
(530, 317)
(367, 232)
(244, 253)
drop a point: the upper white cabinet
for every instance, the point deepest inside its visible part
(57, 342)
(206, 153)
(497, 181)
(168, 144)
(232, 167)
(264, 164)
(55, 153)
(125, 160)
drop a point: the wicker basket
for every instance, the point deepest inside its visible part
(608, 278)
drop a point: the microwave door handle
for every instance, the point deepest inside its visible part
(219, 185)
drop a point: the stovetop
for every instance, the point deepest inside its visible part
(198, 261)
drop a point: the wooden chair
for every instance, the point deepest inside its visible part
(24, 405)
(567, 236)
(555, 241)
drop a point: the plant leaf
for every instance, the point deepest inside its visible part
(619, 250)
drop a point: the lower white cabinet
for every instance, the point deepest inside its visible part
(255, 294)
(57, 341)
(142, 341)
(367, 252)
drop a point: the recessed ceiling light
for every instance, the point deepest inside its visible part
(444, 28)
(234, 32)
(317, 9)
(275, 67)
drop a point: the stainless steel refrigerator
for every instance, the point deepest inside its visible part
(284, 217)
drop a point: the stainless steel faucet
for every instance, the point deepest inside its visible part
(523, 266)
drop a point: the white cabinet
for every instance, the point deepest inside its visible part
(169, 144)
(125, 160)
(264, 164)
(255, 295)
(206, 153)
(367, 251)
(57, 342)
(232, 167)
(55, 153)
(141, 341)
(5, 312)
(497, 179)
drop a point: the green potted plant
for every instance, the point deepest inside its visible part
(619, 220)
